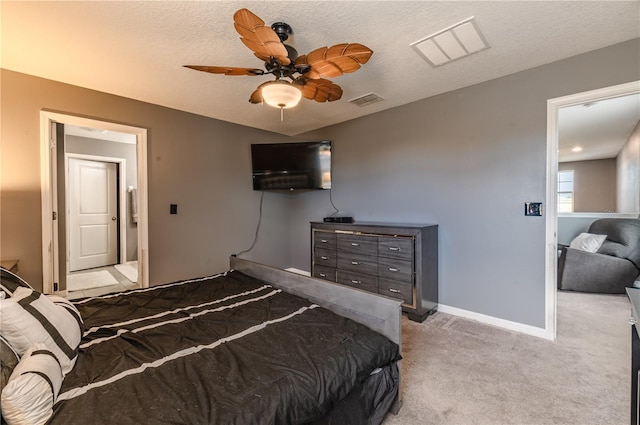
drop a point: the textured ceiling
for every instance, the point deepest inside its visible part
(137, 49)
(600, 128)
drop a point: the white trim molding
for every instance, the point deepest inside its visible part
(48, 185)
(494, 321)
(596, 215)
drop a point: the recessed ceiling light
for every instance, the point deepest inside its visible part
(576, 149)
(455, 42)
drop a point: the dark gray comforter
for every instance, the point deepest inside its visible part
(223, 350)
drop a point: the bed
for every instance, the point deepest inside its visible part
(254, 345)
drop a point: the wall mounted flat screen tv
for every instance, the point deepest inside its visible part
(291, 166)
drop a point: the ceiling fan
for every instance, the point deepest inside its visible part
(295, 76)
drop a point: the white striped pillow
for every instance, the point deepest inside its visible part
(9, 282)
(29, 317)
(33, 388)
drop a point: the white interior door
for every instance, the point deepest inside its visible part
(93, 211)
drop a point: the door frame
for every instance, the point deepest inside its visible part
(122, 204)
(551, 257)
(48, 186)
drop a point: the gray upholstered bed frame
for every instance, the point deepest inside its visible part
(382, 314)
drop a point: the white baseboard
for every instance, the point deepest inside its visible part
(483, 318)
(302, 272)
(494, 321)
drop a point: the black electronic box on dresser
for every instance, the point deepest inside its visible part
(396, 260)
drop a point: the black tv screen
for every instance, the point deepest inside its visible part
(291, 166)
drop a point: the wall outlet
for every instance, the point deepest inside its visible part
(173, 209)
(533, 209)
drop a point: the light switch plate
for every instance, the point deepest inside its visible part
(533, 209)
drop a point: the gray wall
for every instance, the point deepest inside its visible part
(466, 160)
(571, 226)
(199, 163)
(628, 169)
(594, 184)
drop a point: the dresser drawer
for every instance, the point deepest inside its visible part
(364, 245)
(400, 290)
(400, 248)
(326, 273)
(324, 240)
(324, 257)
(395, 260)
(358, 280)
(393, 269)
(358, 263)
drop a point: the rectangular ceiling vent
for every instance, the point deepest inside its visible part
(366, 99)
(455, 42)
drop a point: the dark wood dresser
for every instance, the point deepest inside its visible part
(396, 260)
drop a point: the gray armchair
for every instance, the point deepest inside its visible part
(613, 267)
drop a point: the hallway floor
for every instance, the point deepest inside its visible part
(122, 285)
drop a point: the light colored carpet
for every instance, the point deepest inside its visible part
(88, 280)
(458, 371)
(129, 270)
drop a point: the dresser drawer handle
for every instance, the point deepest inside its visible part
(324, 257)
(356, 282)
(355, 244)
(395, 291)
(394, 248)
(324, 241)
(393, 269)
(355, 263)
(323, 275)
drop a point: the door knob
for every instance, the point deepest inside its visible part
(113, 219)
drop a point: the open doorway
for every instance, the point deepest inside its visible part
(563, 113)
(97, 181)
(94, 205)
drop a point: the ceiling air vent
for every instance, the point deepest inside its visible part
(366, 99)
(455, 42)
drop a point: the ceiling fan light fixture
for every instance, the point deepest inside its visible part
(281, 94)
(282, 60)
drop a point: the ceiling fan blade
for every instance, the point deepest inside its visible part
(262, 57)
(335, 60)
(256, 96)
(227, 70)
(320, 90)
(247, 19)
(261, 39)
